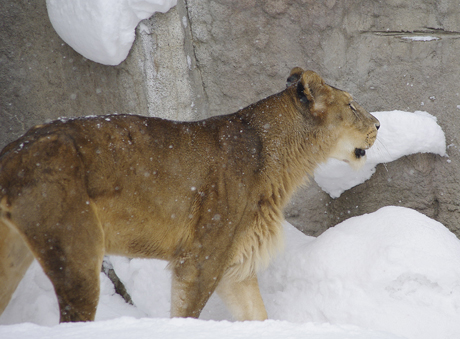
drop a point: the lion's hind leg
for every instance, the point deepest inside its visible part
(51, 209)
(15, 258)
(68, 243)
(242, 298)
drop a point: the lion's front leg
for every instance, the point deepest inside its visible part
(242, 298)
(193, 283)
(198, 269)
(221, 217)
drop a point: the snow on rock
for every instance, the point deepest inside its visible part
(394, 273)
(420, 38)
(401, 133)
(102, 30)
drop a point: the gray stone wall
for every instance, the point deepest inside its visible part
(210, 57)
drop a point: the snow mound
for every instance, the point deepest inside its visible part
(102, 30)
(393, 270)
(401, 133)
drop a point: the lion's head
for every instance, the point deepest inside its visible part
(356, 129)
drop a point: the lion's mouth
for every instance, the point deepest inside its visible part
(359, 153)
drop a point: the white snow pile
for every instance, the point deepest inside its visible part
(393, 270)
(401, 133)
(102, 30)
(394, 273)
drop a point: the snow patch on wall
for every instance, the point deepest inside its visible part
(102, 30)
(420, 38)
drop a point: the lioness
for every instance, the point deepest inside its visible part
(207, 196)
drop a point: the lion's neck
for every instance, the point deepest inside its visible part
(293, 146)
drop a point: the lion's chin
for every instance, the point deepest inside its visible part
(359, 153)
(347, 152)
(357, 160)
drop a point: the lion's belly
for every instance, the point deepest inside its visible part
(148, 228)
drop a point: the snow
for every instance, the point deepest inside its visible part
(420, 38)
(394, 273)
(127, 328)
(401, 133)
(102, 30)
(394, 270)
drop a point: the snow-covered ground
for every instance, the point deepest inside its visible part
(128, 328)
(394, 273)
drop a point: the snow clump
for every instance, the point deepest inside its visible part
(102, 30)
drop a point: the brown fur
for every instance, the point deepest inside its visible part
(207, 196)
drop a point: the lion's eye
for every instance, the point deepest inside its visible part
(353, 109)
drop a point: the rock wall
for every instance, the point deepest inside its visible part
(210, 57)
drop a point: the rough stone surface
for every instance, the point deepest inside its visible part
(210, 57)
(164, 53)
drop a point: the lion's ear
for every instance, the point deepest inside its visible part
(295, 75)
(313, 90)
